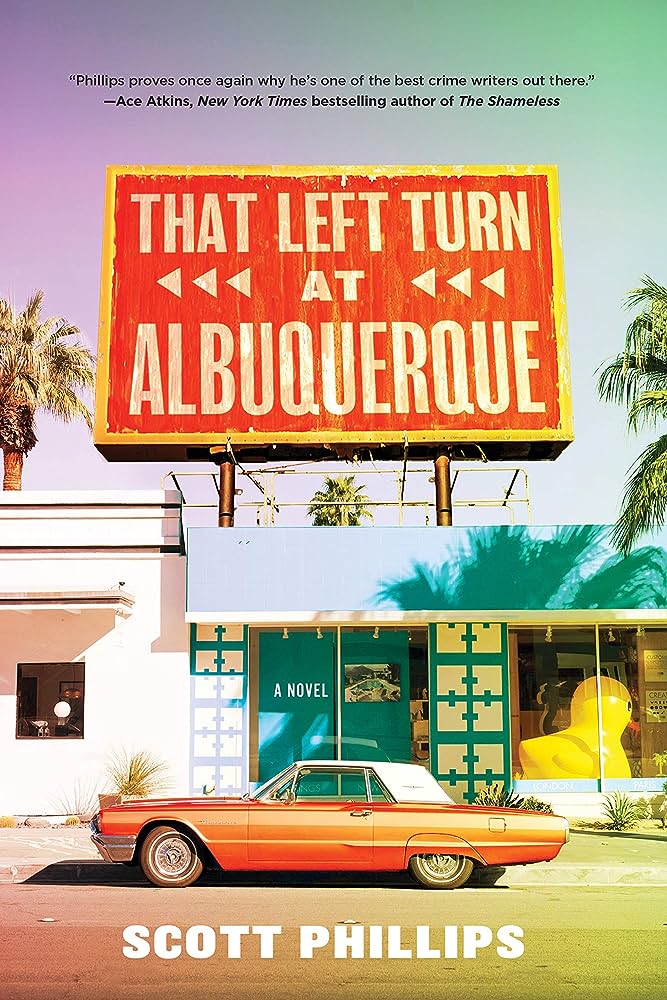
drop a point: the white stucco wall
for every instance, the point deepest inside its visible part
(136, 668)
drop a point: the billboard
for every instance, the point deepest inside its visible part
(309, 310)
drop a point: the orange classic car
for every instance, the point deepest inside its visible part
(327, 816)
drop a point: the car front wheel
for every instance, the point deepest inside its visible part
(440, 871)
(169, 858)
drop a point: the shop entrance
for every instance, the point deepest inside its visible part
(328, 693)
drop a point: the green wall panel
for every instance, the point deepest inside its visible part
(218, 714)
(469, 705)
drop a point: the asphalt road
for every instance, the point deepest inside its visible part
(578, 941)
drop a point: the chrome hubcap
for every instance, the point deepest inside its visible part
(440, 865)
(173, 857)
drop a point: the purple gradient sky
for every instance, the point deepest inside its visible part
(606, 140)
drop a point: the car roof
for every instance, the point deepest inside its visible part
(406, 782)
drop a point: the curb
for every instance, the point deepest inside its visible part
(590, 875)
(582, 875)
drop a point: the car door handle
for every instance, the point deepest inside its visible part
(360, 812)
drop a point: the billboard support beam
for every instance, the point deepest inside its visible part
(227, 492)
(443, 489)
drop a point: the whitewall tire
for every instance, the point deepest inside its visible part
(440, 871)
(169, 858)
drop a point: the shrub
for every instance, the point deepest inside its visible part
(621, 811)
(644, 808)
(8, 821)
(79, 800)
(536, 805)
(498, 795)
(72, 821)
(137, 775)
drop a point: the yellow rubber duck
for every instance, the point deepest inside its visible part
(574, 752)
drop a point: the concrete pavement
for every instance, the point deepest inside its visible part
(591, 858)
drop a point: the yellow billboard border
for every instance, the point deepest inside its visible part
(564, 432)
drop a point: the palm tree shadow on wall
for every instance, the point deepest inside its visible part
(512, 568)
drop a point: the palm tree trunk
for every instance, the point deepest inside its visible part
(13, 469)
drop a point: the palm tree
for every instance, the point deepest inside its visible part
(637, 378)
(38, 371)
(340, 502)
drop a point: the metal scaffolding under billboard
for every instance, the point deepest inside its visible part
(311, 311)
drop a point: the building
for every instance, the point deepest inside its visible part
(488, 654)
(91, 619)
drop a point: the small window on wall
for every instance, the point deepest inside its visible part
(50, 700)
(554, 704)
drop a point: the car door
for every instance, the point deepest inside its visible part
(325, 822)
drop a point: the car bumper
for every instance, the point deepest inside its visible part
(114, 848)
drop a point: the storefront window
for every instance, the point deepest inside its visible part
(554, 687)
(384, 709)
(354, 693)
(559, 706)
(50, 700)
(633, 668)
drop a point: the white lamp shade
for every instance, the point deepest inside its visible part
(61, 710)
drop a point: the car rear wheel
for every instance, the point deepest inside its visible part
(440, 871)
(169, 858)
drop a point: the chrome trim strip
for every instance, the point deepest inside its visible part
(114, 848)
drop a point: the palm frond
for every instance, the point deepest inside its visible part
(65, 405)
(619, 380)
(647, 409)
(649, 293)
(623, 378)
(645, 496)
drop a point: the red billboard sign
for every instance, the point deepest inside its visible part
(300, 308)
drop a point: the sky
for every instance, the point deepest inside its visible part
(607, 139)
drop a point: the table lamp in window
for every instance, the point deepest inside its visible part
(61, 710)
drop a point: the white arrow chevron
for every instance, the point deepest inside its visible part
(496, 282)
(172, 282)
(462, 281)
(426, 282)
(209, 282)
(241, 282)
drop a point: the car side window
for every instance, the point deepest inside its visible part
(378, 793)
(313, 785)
(281, 790)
